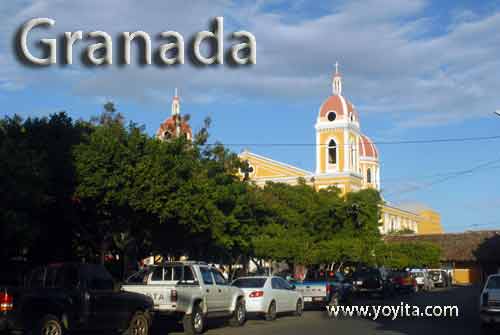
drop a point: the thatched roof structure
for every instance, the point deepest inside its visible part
(470, 246)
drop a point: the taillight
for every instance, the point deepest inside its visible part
(485, 298)
(328, 289)
(256, 294)
(6, 302)
(173, 296)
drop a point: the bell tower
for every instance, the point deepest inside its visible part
(337, 138)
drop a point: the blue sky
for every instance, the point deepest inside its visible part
(415, 69)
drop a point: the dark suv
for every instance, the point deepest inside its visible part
(370, 281)
(66, 297)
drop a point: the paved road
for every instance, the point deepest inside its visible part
(316, 322)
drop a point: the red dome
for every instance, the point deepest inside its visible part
(167, 128)
(367, 148)
(340, 106)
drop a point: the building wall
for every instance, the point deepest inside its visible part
(395, 219)
(430, 222)
(324, 137)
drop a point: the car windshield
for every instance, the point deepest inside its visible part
(364, 273)
(313, 275)
(494, 283)
(400, 274)
(138, 277)
(249, 282)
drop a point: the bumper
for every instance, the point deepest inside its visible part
(315, 301)
(404, 288)
(256, 305)
(360, 289)
(7, 324)
(489, 316)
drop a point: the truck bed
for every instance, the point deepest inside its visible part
(162, 295)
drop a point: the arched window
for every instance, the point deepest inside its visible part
(369, 176)
(332, 152)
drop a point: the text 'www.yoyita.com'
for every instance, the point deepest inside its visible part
(402, 310)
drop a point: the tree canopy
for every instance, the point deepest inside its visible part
(85, 189)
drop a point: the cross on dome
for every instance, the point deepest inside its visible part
(337, 81)
(175, 103)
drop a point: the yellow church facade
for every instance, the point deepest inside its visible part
(345, 158)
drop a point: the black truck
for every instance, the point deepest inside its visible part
(65, 297)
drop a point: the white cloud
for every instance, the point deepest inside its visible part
(390, 59)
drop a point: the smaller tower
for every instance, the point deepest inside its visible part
(175, 126)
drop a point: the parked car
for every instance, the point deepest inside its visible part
(423, 279)
(340, 288)
(316, 289)
(489, 302)
(269, 296)
(367, 280)
(193, 292)
(70, 297)
(440, 278)
(403, 281)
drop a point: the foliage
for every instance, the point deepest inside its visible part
(74, 189)
(409, 255)
(37, 180)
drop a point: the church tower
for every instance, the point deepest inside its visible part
(175, 126)
(337, 140)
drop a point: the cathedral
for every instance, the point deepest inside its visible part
(345, 158)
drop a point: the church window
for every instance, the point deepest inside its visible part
(332, 152)
(369, 176)
(332, 116)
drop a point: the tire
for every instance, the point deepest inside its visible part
(138, 325)
(194, 323)
(299, 308)
(239, 315)
(271, 311)
(486, 328)
(49, 325)
(334, 301)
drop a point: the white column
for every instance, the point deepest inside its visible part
(318, 148)
(346, 149)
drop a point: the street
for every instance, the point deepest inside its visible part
(316, 322)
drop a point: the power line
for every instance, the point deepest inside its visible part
(440, 174)
(396, 142)
(451, 175)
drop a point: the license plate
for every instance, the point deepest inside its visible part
(318, 299)
(307, 299)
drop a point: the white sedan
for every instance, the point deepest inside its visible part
(269, 296)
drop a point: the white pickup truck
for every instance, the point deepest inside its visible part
(192, 291)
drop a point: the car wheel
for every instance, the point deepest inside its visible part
(486, 328)
(334, 301)
(138, 325)
(49, 325)
(239, 314)
(299, 308)
(271, 312)
(194, 323)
